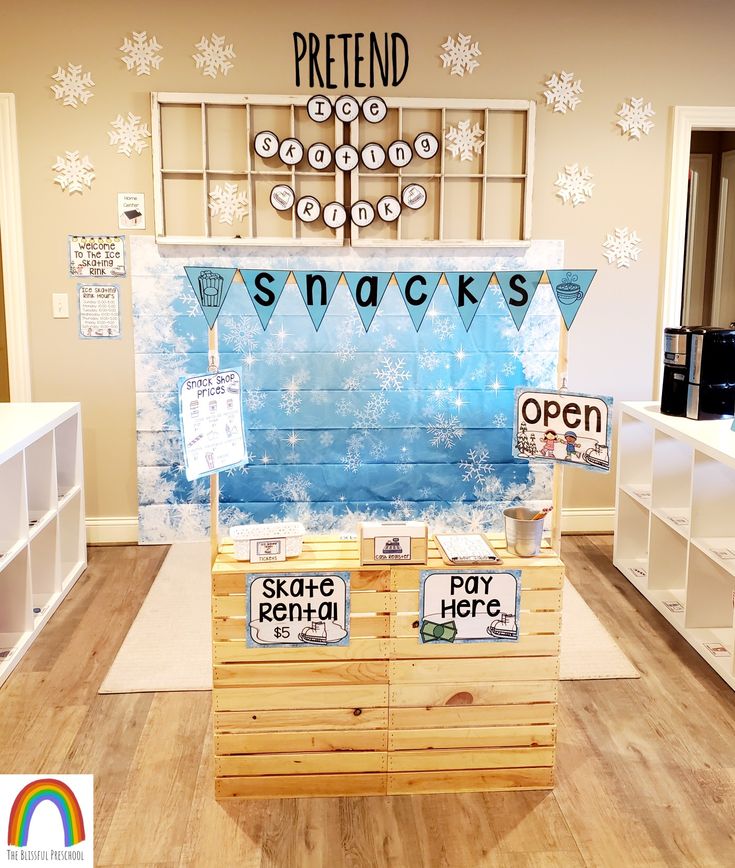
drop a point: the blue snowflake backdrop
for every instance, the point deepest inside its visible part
(341, 424)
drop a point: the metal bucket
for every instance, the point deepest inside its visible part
(523, 533)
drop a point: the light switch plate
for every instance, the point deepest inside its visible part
(60, 305)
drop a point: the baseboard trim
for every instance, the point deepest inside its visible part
(108, 529)
(124, 528)
(588, 520)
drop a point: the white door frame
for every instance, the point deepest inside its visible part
(715, 316)
(11, 237)
(686, 119)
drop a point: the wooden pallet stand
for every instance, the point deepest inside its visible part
(384, 714)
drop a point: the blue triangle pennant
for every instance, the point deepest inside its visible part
(468, 290)
(417, 291)
(210, 286)
(317, 289)
(264, 288)
(570, 289)
(367, 290)
(518, 288)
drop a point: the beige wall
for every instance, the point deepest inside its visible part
(682, 55)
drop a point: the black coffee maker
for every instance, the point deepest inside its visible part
(676, 371)
(711, 380)
(699, 372)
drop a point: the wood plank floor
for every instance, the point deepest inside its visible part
(645, 768)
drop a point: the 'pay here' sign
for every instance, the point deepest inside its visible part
(469, 606)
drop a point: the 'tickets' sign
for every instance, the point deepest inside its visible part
(469, 606)
(570, 427)
(302, 610)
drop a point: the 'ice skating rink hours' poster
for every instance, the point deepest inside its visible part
(298, 610)
(469, 606)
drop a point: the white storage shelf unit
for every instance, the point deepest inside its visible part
(675, 524)
(42, 534)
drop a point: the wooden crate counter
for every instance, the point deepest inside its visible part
(384, 714)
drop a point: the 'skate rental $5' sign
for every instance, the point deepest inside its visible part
(298, 610)
(469, 606)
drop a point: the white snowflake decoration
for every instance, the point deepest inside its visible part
(141, 53)
(228, 204)
(465, 142)
(254, 399)
(213, 56)
(445, 430)
(622, 247)
(290, 398)
(129, 134)
(634, 118)
(74, 172)
(73, 85)
(500, 420)
(460, 54)
(562, 92)
(443, 328)
(392, 373)
(242, 333)
(574, 184)
(476, 467)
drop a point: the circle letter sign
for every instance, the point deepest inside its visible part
(319, 108)
(282, 197)
(362, 213)
(291, 151)
(414, 196)
(308, 209)
(389, 208)
(373, 155)
(266, 144)
(334, 215)
(374, 109)
(319, 156)
(426, 145)
(346, 108)
(400, 153)
(346, 158)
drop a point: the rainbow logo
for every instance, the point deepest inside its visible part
(31, 796)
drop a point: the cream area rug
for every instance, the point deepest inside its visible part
(168, 646)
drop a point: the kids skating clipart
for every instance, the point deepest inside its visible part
(548, 441)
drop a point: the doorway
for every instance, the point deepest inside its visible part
(4, 378)
(687, 182)
(15, 366)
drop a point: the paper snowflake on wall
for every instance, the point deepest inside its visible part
(141, 53)
(574, 185)
(634, 118)
(464, 142)
(460, 54)
(622, 247)
(213, 56)
(562, 92)
(74, 173)
(73, 85)
(129, 134)
(228, 204)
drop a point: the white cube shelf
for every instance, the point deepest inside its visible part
(675, 524)
(42, 540)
